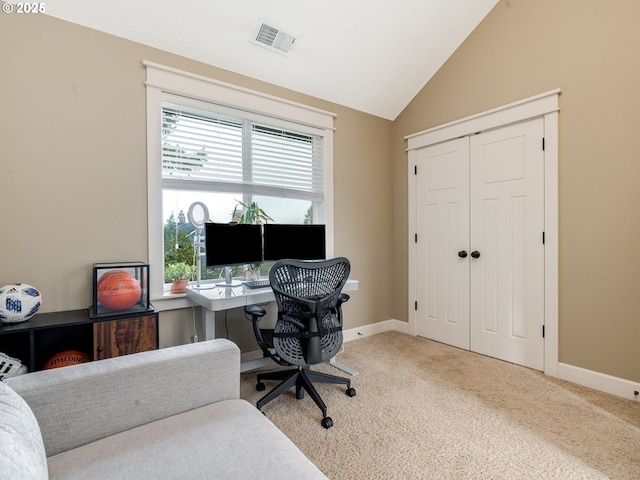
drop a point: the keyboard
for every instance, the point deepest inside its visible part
(257, 283)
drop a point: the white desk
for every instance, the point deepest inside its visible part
(219, 299)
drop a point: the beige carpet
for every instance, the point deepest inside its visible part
(425, 410)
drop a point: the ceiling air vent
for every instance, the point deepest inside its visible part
(273, 38)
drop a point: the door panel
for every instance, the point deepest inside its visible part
(507, 222)
(442, 282)
(123, 337)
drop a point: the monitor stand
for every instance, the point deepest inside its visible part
(228, 282)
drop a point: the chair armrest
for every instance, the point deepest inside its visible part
(342, 298)
(264, 337)
(255, 311)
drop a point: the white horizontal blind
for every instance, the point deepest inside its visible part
(220, 152)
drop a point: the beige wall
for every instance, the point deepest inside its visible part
(591, 50)
(73, 163)
(73, 169)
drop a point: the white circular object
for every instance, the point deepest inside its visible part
(18, 302)
(198, 214)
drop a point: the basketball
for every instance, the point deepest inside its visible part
(119, 274)
(119, 293)
(66, 358)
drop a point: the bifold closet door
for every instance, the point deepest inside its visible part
(507, 225)
(442, 266)
(479, 251)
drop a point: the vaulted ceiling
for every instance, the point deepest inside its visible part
(370, 55)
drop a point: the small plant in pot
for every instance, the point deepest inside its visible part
(179, 274)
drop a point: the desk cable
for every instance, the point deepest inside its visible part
(195, 333)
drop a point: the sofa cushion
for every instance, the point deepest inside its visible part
(21, 448)
(225, 440)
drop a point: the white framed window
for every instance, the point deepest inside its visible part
(222, 145)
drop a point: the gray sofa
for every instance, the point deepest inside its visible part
(173, 413)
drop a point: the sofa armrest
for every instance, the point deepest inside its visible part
(79, 404)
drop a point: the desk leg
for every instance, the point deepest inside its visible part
(208, 324)
(343, 367)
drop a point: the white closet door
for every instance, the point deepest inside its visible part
(507, 224)
(442, 280)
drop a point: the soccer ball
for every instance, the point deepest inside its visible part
(18, 302)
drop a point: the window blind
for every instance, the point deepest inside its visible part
(235, 153)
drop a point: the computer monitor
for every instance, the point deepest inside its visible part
(230, 244)
(295, 241)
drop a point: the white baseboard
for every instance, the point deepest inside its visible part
(374, 328)
(587, 378)
(251, 356)
(600, 381)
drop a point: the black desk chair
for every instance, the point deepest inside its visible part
(308, 329)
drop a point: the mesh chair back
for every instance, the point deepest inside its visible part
(309, 325)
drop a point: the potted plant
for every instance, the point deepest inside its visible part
(249, 213)
(253, 214)
(179, 274)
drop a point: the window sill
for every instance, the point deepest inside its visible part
(172, 301)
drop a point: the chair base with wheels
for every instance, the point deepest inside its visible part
(302, 379)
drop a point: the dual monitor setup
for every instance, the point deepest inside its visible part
(232, 244)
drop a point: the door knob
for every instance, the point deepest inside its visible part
(475, 254)
(462, 254)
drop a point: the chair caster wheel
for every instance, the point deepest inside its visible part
(327, 422)
(351, 392)
(260, 387)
